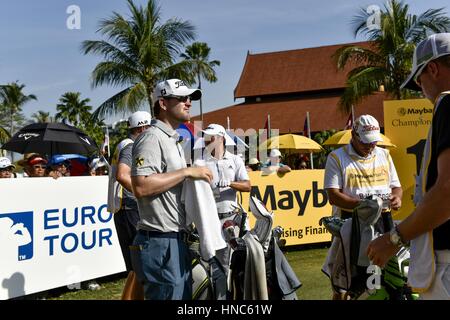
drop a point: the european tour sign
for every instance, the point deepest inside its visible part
(55, 233)
(297, 200)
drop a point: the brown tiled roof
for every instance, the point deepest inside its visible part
(289, 116)
(291, 71)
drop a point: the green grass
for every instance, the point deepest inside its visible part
(306, 263)
(111, 289)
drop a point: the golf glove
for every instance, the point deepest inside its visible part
(223, 183)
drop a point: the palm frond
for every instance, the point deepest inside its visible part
(129, 99)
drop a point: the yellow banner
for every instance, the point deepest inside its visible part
(297, 200)
(406, 123)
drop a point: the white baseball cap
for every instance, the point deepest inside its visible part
(5, 163)
(139, 119)
(175, 87)
(253, 161)
(97, 163)
(275, 153)
(433, 47)
(217, 130)
(367, 128)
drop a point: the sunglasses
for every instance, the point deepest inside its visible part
(418, 73)
(9, 169)
(183, 99)
(39, 166)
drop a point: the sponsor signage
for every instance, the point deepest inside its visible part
(297, 200)
(55, 233)
(406, 123)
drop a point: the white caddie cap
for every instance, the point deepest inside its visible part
(367, 128)
(275, 153)
(139, 119)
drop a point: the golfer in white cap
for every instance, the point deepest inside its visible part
(157, 175)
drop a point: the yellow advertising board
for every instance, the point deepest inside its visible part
(406, 123)
(297, 200)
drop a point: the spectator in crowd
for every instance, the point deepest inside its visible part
(303, 165)
(157, 174)
(254, 164)
(274, 164)
(6, 168)
(127, 217)
(97, 167)
(34, 165)
(58, 167)
(79, 167)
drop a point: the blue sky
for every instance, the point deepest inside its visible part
(41, 52)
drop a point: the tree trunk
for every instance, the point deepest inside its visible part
(11, 125)
(150, 102)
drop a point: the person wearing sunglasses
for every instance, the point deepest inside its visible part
(34, 165)
(428, 226)
(157, 175)
(360, 170)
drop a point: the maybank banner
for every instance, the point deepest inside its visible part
(297, 200)
(55, 233)
(406, 123)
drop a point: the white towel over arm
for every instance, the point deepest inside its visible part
(200, 207)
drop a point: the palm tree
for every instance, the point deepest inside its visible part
(4, 135)
(388, 58)
(42, 117)
(138, 53)
(12, 99)
(71, 108)
(197, 55)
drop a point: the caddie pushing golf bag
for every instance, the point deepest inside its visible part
(347, 264)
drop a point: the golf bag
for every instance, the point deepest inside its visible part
(258, 268)
(208, 277)
(347, 264)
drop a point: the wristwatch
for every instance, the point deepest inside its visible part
(395, 237)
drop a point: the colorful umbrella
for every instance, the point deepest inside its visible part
(343, 137)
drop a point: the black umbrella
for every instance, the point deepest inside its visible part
(51, 138)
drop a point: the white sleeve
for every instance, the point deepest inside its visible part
(333, 174)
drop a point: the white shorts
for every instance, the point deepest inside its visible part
(440, 288)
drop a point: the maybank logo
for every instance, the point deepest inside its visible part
(401, 112)
(288, 199)
(413, 111)
(16, 230)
